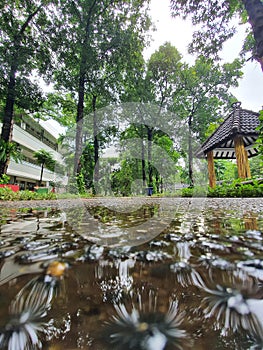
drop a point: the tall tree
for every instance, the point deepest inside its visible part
(101, 40)
(153, 89)
(162, 73)
(203, 94)
(216, 22)
(23, 49)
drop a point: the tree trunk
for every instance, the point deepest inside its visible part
(81, 93)
(8, 116)
(79, 123)
(254, 9)
(190, 152)
(41, 174)
(143, 162)
(95, 142)
(157, 181)
(150, 169)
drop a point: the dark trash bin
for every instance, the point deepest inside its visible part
(149, 191)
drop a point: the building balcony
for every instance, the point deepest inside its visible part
(26, 170)
(25, 139)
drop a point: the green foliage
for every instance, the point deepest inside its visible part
(9, 149)
(213, 19)
(121, 179)
(204, 93)
(256, 166)
(61, 107)
(162, 74)
(45, 158)
(225, 170)
(81, 184)
(196, 191)
(24, 50)
(232, 189)
(102, 43)
(202, 98)
(72, 186)
(237, 189)
(7, 194)
(29, 95)
(4, 179)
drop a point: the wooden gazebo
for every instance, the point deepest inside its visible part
(234, 138)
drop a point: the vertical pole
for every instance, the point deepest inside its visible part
(248, 173)
(242, 158)
(211, 169)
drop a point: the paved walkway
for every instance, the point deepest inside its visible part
(241, 204)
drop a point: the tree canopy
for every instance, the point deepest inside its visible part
(215, 23)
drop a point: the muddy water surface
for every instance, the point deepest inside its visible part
(132, 274)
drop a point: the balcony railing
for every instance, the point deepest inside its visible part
(32, 171)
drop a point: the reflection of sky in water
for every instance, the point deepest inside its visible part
(199, 279)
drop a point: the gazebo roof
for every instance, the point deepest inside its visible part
(240, 122)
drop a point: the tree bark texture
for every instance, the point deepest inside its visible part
(79, 125)
(150, 169)
(254, 9)
(143, 162)
(41, 174)
(95, 141)
(190, 152)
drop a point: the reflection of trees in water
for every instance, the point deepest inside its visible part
(132, 215)
(114, 286)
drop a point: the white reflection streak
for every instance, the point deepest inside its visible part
(146, 331)
(183, 250)
(232, 306)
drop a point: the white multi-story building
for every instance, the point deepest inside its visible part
(31, 136)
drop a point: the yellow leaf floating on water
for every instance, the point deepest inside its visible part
(56, 268)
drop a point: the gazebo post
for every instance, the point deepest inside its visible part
(248, 166)
(242, 158)
(211, 169)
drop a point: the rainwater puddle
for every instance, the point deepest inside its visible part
(143, 276)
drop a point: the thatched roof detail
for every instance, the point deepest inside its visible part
(240, 122)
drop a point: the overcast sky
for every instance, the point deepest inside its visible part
(179, 34)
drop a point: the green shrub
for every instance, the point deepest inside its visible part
(187, 192)
(7, 194)
(234, 189)
(237, 189)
